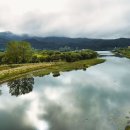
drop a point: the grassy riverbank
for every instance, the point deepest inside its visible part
(65, 66)
(9, 72)
(125, 52)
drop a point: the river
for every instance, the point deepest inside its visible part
(95, 99)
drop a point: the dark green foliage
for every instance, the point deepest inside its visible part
(21, 86)
(2, 55)
(35, 59)
(56, 74)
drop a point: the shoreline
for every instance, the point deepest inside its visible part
(11, 72)
(122, 52)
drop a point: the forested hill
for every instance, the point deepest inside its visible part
(61, 42)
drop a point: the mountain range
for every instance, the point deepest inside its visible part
(54, 43)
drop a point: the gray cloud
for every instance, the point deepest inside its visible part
(73, 18)
(14, 118)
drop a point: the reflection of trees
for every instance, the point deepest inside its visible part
(56, 74)
(0, 92)
(21, 86)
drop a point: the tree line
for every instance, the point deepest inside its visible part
(21, 52)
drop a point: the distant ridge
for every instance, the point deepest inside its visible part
(58, 42)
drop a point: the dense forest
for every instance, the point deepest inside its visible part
(64, 43)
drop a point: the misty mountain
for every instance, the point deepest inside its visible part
(60, 42)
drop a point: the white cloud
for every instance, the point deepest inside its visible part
(73, 18)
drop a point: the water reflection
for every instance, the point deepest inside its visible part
(21, 86)
(0, 92)
(96, 99)
(56, 74)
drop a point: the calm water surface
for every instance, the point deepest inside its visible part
(95, 99)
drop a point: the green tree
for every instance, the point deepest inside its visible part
(25, 51)
(18, 52)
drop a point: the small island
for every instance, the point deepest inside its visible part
(20, 59)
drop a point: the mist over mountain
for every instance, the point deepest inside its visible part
(55, 43)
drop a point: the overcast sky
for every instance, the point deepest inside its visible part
(72, 18)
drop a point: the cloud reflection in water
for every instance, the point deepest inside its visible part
(95, 99)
